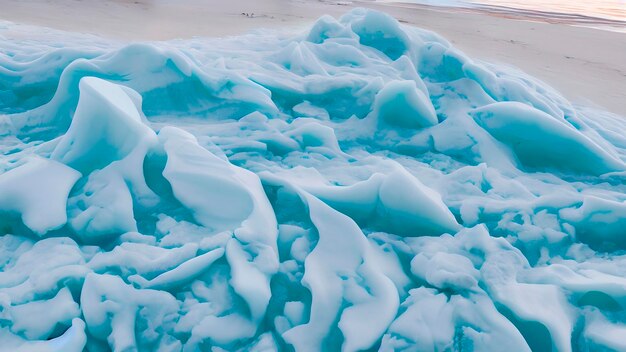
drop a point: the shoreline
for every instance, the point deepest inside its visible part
(552, 17)
(586, 65)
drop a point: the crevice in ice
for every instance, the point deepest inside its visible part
(536, 334)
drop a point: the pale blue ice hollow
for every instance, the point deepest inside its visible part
(360, 186)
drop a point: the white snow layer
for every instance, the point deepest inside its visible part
(361, 186)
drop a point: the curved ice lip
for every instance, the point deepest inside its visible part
(362, 185)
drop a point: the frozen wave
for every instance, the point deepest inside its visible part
(363, 185)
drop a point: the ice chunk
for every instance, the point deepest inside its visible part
(220, 195)
(142, 259)
(333, 258)
(37, 271)
(545, 305)
(504, 88)
(541, 141)
(27, 86)
(61, 310)
(107, 135)
(599, 223)
(602, 333)
(592, 286)
(315, 137)
(401, 104)
(225, 197)
(299, 59)
(72, 340)
(326, 27)
(412, 208)
(111, 309)
(380, 31)
(309, 110)
(446, 271)
(249, 277)
(397, 202)
(294, 311)
(106, 127)
(184, 273)
(175, 83)
(38, 191)
(222, 331)
(430, 319)
(103, 211)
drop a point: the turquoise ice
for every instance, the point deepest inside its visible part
(360, 186)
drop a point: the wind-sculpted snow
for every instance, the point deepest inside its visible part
(359, 186)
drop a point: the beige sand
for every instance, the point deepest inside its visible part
(587, 65)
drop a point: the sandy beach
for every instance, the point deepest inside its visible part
(587, 65)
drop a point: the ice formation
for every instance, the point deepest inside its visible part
(360, 186)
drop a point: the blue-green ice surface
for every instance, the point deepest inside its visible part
(360, 186)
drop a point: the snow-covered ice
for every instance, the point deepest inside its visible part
(360, 186)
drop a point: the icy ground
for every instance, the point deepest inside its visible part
(361, 186)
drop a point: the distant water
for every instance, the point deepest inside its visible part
(614, 10)
(606, 9)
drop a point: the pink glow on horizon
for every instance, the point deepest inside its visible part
(609, 9)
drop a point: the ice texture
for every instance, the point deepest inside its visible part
(360, 186)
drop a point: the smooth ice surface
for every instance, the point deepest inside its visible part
(359, 186)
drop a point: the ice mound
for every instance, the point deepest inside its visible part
(401, 104)
(538, 140)
(360, 186)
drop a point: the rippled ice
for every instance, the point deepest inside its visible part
(360, 186)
